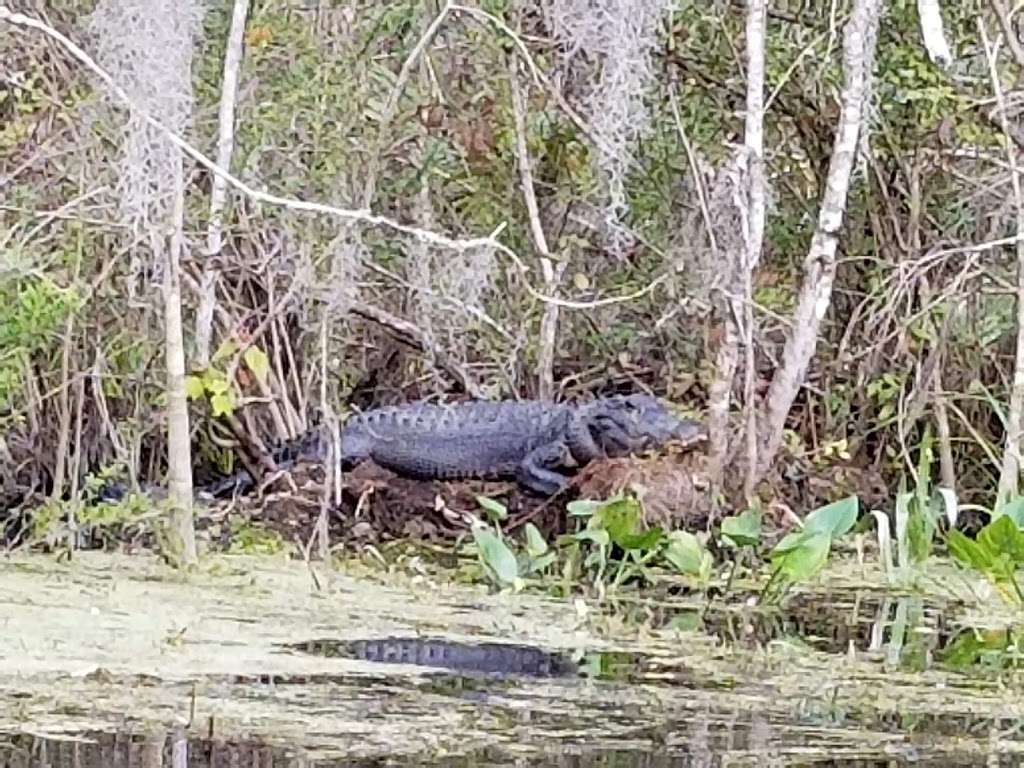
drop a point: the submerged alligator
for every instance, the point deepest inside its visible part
(529, 441)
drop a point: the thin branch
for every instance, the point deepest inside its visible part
(549, 321)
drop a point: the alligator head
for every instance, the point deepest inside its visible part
(633, 423)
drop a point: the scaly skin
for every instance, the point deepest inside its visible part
(526, 440)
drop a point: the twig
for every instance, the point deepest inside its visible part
(411, 334)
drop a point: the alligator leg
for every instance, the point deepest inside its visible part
(613, 438)
(535, 471)
(580, 439)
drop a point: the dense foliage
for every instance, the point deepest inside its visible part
(80, 326)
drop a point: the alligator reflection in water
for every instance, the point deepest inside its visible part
(499, 659)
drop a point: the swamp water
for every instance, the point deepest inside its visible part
(118, 661)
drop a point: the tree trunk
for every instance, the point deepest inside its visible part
(182, 539)
(820, 263)
(218, 192)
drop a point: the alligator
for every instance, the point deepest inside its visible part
(529, 440)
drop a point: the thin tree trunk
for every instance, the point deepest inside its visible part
(757, 22)
(820, 263)
(179, 450)
(549, 320)
(218, 192)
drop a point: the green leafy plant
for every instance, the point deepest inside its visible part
(802, 554)
(997, 552)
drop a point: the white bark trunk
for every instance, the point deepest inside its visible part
(179, 449)
(219, 190)
(820, 263)
(932, 32)
(757, 22)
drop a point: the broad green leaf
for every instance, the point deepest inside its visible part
(685, 552)
(496, 555)
(834, 519)
(215, 382)
(494, 509)
(535, 543)
(743, 530)
(194, 387)
(1003, 537)
(257, 361)
(222, 404)
(622, 521)
(805, 560)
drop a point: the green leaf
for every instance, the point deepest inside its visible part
(540, 563)
(257, 361)
(687, 621)
(194, 388)
(535, 543)
(225, 350)
(1003, 537)
(584, 507)
(621, 519)
(835, 519)
(743, 530)
(222, 404)
(495, 509)
(920, 532)
(969, 552)
(496, 555)
(685, 552)
(215, 382)
(801, 562)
